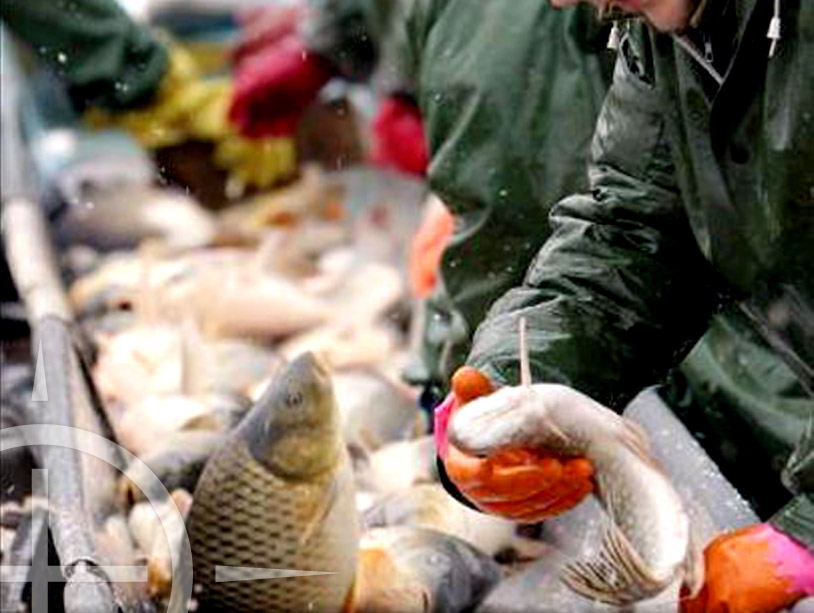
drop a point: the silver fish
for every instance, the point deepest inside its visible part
(407, 569)
(177, 461)
(429, 505)
(279, 495)
(648, 542)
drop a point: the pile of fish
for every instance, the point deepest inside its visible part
(256, 375)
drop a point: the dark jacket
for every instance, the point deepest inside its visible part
(104, 57)
(700, 199)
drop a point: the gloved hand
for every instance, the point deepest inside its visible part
(753, 570)
(522, 485)
(189, 106)
(254, 162)
(428, 246)
(274, 87)
(164, 121)
(399, 136)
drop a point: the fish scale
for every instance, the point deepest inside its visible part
(246, 516)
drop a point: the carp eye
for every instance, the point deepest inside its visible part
(294, 399)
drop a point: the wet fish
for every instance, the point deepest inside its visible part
(246, 303)
(430, 506)
(279, 495)
(158, 534)
(375, 411)
(648, 542)
(313, 195)
(171, 359)
(407, 569)
(177, 461)
(398, 466)
(126, 215)
(148, 422)
(346, 344)
(115, 546)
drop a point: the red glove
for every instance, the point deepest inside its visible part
(753, 570)
(428, 246)
(274, 87)
(399, 136)
(521, 485)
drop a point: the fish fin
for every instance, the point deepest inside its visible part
(635, 439)
(202, 422)
(552, 427)
(525, 366)
(327, 502)
(617, 574)
(369, 439)
(191, 351)
(694, 562)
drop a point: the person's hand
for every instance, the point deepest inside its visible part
(275, 86)
(164, 121)
(753, 570)
(254, 162)
(399, 136)
(428, 246)
(518, 484)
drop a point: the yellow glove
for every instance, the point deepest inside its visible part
(255, 162)
(190, 106)
(163, 122)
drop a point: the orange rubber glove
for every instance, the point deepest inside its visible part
(753, 570)
(522, 485)
(428, 246)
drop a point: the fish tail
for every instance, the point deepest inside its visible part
(617, 575)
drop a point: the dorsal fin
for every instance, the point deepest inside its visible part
(525, 366)
(694, 566)
(192, 357)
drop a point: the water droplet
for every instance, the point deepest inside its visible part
(503, 193)
(436, 559)
(61, 57)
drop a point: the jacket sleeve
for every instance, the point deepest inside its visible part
(797, 517)
(621, 290)
(105, 58)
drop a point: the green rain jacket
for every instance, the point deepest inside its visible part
(701, 198)
(509, 91)
(105, 58)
